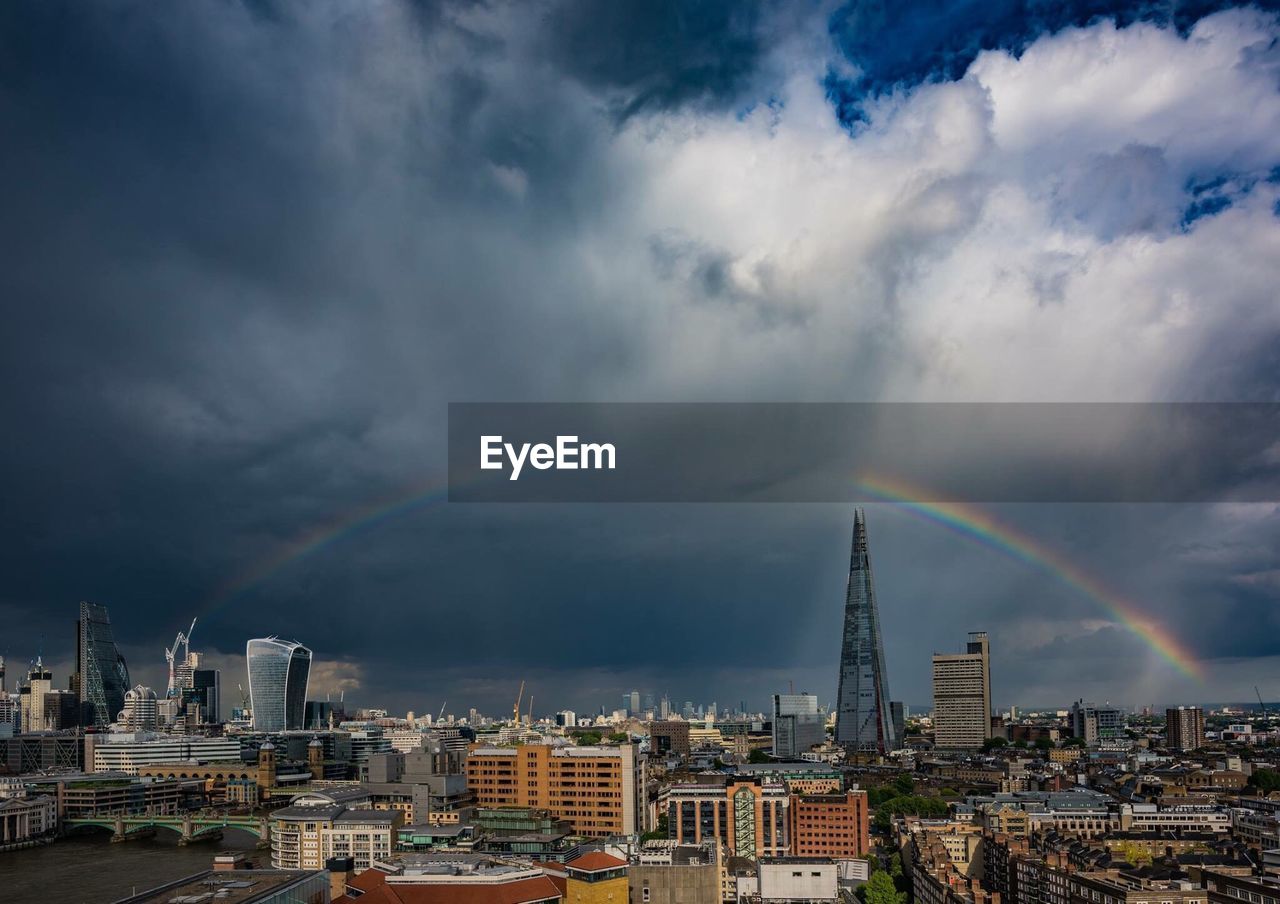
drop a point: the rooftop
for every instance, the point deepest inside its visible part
(230, 887)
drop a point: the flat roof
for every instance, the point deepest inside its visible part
(242, 886)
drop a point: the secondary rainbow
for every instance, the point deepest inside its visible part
(348, 524)
(978, 525)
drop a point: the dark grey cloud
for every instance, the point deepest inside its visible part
(252, 250)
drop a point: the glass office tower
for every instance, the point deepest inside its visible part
(864, 723)
(278, 673)
(102, 676)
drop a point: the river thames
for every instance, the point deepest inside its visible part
(89, 869)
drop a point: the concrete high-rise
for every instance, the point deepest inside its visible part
(102, 676)
(1184, 728)
(32, 693)
(278, 675)
(962, 696)
(140, 711)
(863, 721)
(1096, 724)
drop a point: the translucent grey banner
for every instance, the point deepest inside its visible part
(715, 452)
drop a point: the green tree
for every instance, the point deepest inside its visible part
(1044, 744)
(880, 889)
(1020, 744)
(619, 737)
(991, 744)
(587, 738)
(1265, 780)
(904, 784)
(658, 834)
(757, 756)
(1073, 742)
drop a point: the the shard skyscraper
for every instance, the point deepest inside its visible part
(864, 722)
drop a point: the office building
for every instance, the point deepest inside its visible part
(600, 791)
(863, 723)
(831, 825)
(797, 725)
(230, 883)
(1184, 728)
(127, 751)
(898, 716)
(205, 692)
(40, 752)
(61, 710)
(962, 696)
(31, 696)
(278, 674)
(1096, 725)
(749, 817)
(140, 712)
(670, 736)
(102, 676)
(566, 718)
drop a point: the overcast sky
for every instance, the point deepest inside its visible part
(254, 249)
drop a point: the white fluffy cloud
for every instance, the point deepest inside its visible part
(1014, 235)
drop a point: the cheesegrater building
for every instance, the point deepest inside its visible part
(864, 721)
(102, 676)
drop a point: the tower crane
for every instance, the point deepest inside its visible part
(171, 653)
(531, 709)
(515, 710)
(442, 706)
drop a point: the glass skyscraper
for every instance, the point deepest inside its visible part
(864, 722)
(102, 676)
(278, 673)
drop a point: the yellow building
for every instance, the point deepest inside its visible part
(596, 878)
(600, 791)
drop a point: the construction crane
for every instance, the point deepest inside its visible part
(515, 710)
(531, 709)
(442, 706)
(1260, 703)
(244, 698)
(170, 654)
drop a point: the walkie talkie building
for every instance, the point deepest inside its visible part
(864, 722)
(278, 674)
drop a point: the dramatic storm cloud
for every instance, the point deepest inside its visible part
(252, 250)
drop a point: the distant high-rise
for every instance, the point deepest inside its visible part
(962, 696)
(797, 725)
(278, 674)
(1096, 725)
(141, 712)
(1184, 728)
(206, 690)
(863, 723)
(38, 684)
(102, 676)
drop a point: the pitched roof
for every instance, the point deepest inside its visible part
(593, 861)
(523, 891)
